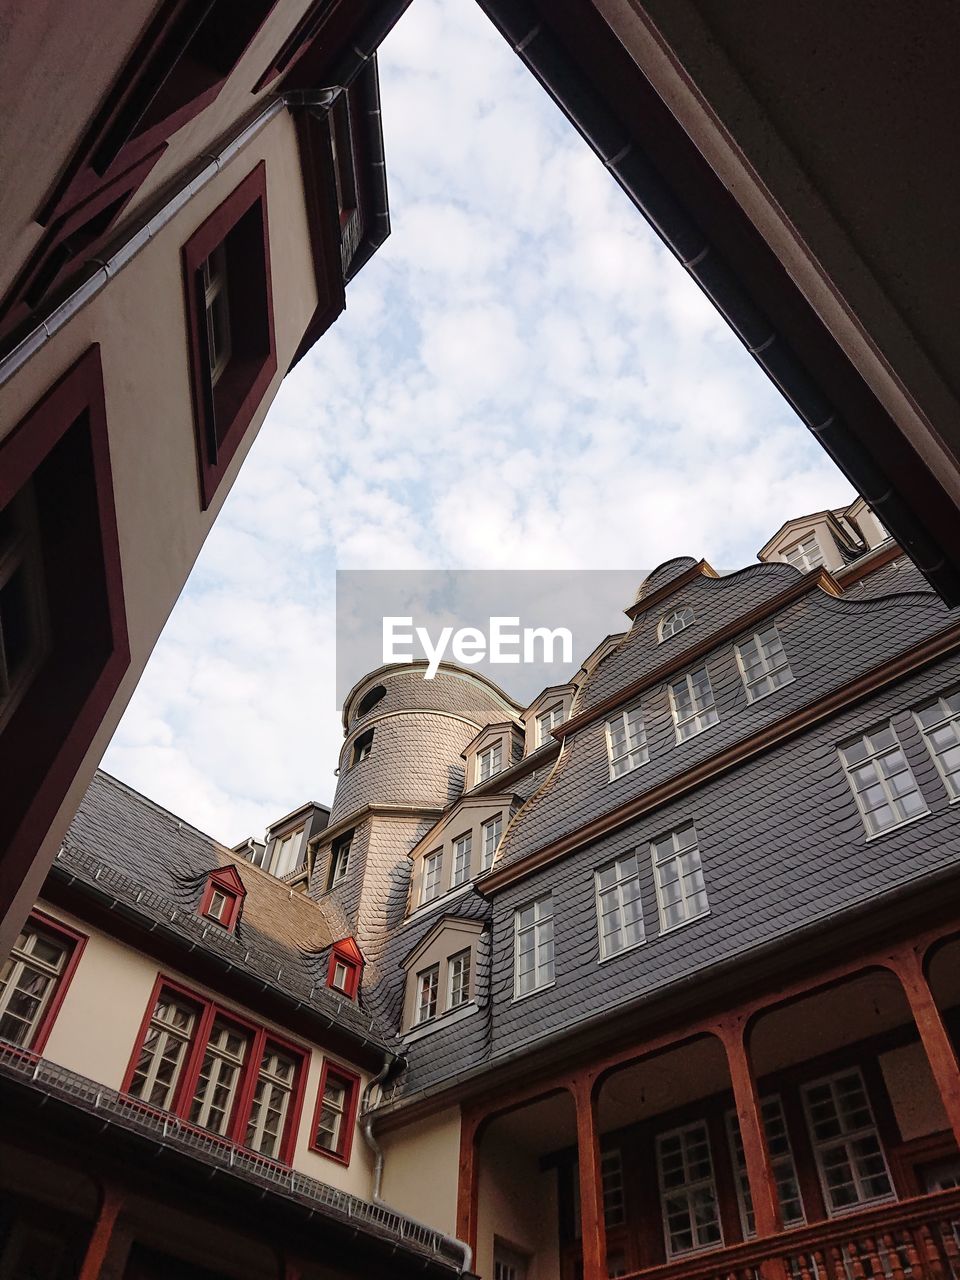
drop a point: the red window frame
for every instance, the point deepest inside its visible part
(62, 445)
(228, 882)
(208, 1011)
(348, 1123)
(243, 385)
(346, 952)
(77, 941)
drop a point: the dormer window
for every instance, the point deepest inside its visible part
(462, 850)
(223, 897)
(673, 622)
(432, 871)
(340, 859)
(490, 833)
(440, 974)
(288, 852)
(428, 983)
(489, 761)
(345, 968)
(547, 721)
(362, 746)
(805, 554)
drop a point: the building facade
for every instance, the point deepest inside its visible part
(655, 975)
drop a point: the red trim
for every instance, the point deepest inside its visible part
(260, 1037)
(47, 738)
(227, 880)
(222, 414)
(77, 942)
(349, 1120)
(348, 953)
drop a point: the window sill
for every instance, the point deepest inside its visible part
(848, 1209)
(330, 1155)
(535, 992)
(770, 692)
(451, 895)
(634, 946)
(898, 826)
(448, 1019)
(621, 776)
(673, 928)
(690, 737)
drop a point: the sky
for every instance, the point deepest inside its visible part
(523, 379)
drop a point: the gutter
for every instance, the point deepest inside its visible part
(397, 1062)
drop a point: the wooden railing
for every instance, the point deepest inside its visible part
(909, 1240)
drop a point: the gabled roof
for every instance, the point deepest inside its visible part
(467, 923)
(491, 730)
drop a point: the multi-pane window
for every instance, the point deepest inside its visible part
(626, 742)
(28, 981)
(271, 1101)
(163, 1052)
(691, 701)
(432, 871)
(678, 876)
(339, 860)
(940, 725)
(882, 781)
(619, 910)
(781, 1161)
(462, 849)
(533, 945)
(852, 1166)
(547, 721)
(688, 1193)
(458, 979)
(489, 761)
(288, 853)
(490, 833)
(763, 663)
(805, 554)
(219, 1077)
(428, 983)
(23, 626)
(216, 301)
(611, 1181)
(671, 623)
(335, 1109)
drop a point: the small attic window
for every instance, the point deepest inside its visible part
(805, 554)
(222, 898)
(362, 747)
(370, 699)
(346, 964)
(671, 623)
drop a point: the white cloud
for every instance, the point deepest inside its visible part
(523, 377)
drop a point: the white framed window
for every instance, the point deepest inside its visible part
(547, 721)
(458, 979)
(763, 664)
(678, 876)
(781, 1161)
(271, 1102)
(462, 851)
(673, 622)
(881, 780)
(219, 1077)
(619, 909)
(688, 1192)
(428, 983)
(219, 902)
(489, 761)
(626, 742)
(805, 554)
(24, 630)
(288, 852)
(342, 974)
(28, 980)
(691, 701)
(939, 723)
(163, 1053)
(850, 1160)
(216, 301)
(533, 945)
(340, 860)
(363, 747)
(611, 1181)
(490, 833)
(432, 872)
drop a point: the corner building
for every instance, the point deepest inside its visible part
(655, 976)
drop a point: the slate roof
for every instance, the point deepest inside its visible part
(157, 865)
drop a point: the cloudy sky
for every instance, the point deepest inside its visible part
(523, 379)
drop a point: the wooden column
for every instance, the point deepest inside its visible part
(102, 1235)
(907, 964)
(468, 1183)
(763, 1188)
(592, 1231)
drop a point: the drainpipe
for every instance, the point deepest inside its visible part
(397, 1062)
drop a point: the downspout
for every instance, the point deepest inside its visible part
(397, 1062)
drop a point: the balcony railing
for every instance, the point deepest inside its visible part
(909, 1240)
(130, 1113)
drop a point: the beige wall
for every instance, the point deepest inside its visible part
(466, 816)
(420, 1169)
(455, 936)
(518, 1205)
(96, 1029)
(150, 416)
